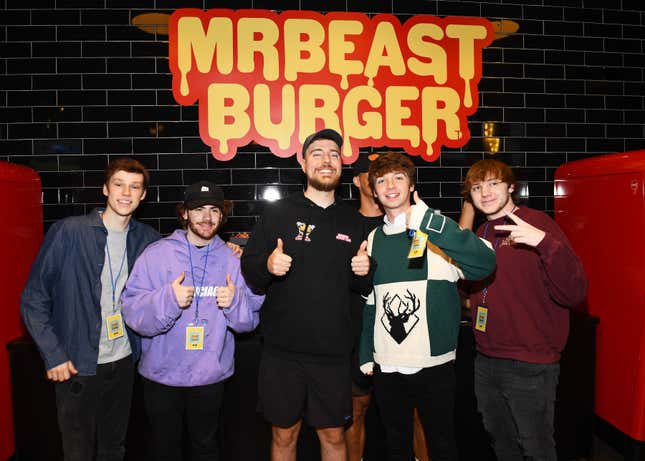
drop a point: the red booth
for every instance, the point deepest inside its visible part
(600, 205)
(21, 233)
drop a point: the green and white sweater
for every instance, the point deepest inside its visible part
(411, 317)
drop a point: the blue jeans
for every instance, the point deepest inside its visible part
(517, 400)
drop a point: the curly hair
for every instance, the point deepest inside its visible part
(388, 162)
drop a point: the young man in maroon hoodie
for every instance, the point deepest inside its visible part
(520, 315)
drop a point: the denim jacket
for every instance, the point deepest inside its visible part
(61, 302)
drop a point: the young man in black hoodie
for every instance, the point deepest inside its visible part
(307, 253)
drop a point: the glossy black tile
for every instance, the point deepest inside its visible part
(257, 176)
(131, 97)
(105, 17)
(82, 98)
(58, 146)
(604, 146)
(16, 147)
(218, 176)
(565, 145)
(130, 65)
(156, 145)
(106, 49)
(182, 161)
(114, 146)
(82, 162)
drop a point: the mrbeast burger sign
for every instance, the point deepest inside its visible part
(274, 78)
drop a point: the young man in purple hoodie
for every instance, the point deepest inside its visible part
(520, 315)
(184, 296)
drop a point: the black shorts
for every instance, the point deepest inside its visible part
(290, 390)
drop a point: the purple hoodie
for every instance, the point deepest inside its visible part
(150, 309)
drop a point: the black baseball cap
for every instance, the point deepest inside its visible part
(203, 193)
(326, 133)
(362, 163)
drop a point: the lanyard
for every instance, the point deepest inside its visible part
(192, 273)
(495, 245)
(118, 275)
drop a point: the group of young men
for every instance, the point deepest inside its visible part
(318, 269)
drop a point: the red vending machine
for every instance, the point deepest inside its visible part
(21, 234)
(600, 205)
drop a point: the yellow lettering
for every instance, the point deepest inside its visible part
(396, 112)
(193, 41)
(248, 45)
(439, 103)
(227, 117)
(371, 124)
(263, 110)
(384, 52)
(437, 67)
(317, 102)
(466, 34)
(303, 53)
(339, 48)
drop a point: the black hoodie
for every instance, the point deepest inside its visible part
(306, 314)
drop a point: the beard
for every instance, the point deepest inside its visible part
(323, 186)
(202, 233)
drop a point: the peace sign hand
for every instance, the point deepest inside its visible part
(522, 232)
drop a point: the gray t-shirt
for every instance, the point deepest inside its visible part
(116, 349)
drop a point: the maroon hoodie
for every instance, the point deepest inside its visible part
(529, 293)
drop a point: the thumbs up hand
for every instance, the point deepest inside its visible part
(183, 294)
(408, 213)
(278, 263)
(361, 262)
(224, 295)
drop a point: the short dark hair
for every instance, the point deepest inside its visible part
(388, 162)
(127, 164)
(484, 169)
(225, 210)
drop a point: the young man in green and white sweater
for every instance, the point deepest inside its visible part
(411, 318)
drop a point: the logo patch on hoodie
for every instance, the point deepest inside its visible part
(304, 231)
(343, 237)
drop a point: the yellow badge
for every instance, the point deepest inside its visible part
(418, 244)
(194, 338)
(482, 318)
(114, 326)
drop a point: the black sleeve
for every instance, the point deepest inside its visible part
(254, 258)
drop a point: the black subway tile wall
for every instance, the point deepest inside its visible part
(79, 85)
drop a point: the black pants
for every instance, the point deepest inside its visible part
(93, 412)
(517, 402)
(432, 392)
(175, 411)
